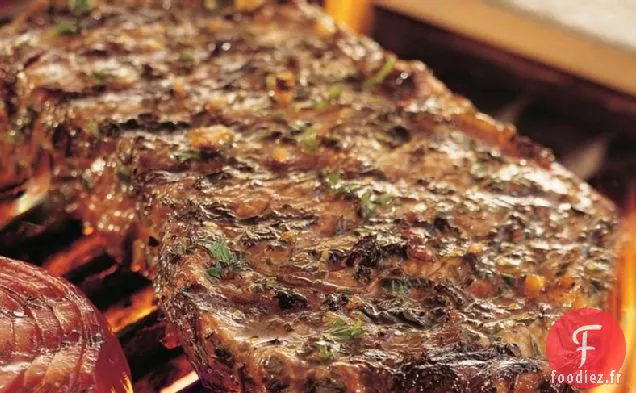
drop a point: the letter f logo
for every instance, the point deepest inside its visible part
(584, 347)
(582, 342)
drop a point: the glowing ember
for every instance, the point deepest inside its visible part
(623, 302)
(176, 375)
(83, 251)
(31, 194)
(138, 306)
(182, 383)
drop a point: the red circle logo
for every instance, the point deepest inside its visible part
(586, 348)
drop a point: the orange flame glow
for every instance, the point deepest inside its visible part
(135, 308)
(623, 302)
(32, 193)
(83, 251)
(182, 383)
(350, 12)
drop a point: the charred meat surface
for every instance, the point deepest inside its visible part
(52, 339)
(321, 217)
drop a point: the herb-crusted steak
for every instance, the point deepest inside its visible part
(325, 218)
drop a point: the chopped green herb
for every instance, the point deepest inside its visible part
(66, 28)
(187, 57)
(80, 7)
(92, 128)
(366, 205)
(334, 93)
(341, 330)
(382, 73)
(215, 271)
(270, 82)
(369, 202)
(395, 286)
(186, 155)
(333, 180)
(101, 77)
(350, 189)
(322, 104)
(220, 251)
(308, 140)
(224, 257)
(383, 199)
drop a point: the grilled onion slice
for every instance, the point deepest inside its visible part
(52, 339)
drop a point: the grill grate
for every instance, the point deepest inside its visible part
(125, 297)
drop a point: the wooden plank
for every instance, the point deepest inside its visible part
(537, 38)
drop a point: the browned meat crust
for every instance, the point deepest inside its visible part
(326, 218)
(52, 339)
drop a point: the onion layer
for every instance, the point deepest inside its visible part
(52, 339)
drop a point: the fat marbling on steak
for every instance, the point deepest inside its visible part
(321, 216)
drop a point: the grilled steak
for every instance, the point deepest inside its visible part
(322, 217)
(52, 339)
